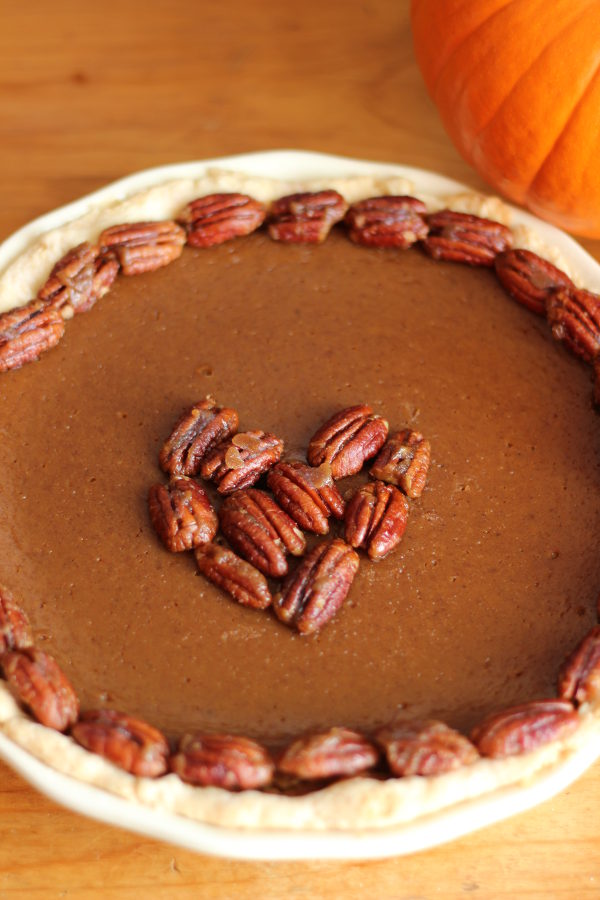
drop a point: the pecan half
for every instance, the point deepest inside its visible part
(217, 218)
(39, 683)
(376, 519)
(307, 494)
(529, 279)
(574, 315)
(305, 218)
(424, 747)
(15, 630)
(27, 332)
(77, 280)
(524, 728)
(182, 514)
(460, 237)
(222, 760)
(404, 461)
(387, 221)
(143, 246)
(260, 531)
(129, 743)
(240, 461)
(311, 596)
(237, 577)
(198, 430)
(331, 754)
(579, 677)
(347, 440)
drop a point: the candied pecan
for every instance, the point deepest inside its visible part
(460, 237)
(143, 246)
(387, 221)
(376, 518)
(579, 676)
(424, 747)
(307, 494)
(313, 593)
(260, 531)
(129, 743)
(77, 280)
(217, 218)
(331, 754)
(27, 332)
(38, 682)
(404, 461)
(524, 728)
(240, 461)
(529, 278)
(15, 630)
(222, 760)
(234, 575)
(198, 430)
(182, 514)
(305, 218)
(574, 315)
(347, 440)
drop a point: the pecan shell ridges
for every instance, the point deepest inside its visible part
(338, 752)
(239, 462)
(389, 221)
(39, 683)
(347, 440)
(27, 332)
(404, 461)
(306, 494)
(376, 518)
(129, 743)
(574, 316)
(143, 246)
(235, 576)
(460, 237)
(305, 218)
(529, 279)
(198, 430)
(222, 760)
(182, 514)
(523, 728)
(424, 747)
(217, 218)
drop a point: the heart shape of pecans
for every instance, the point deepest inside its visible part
(263, 528)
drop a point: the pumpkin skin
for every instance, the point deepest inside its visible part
(517, 84)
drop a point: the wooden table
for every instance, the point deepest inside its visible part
(91, 92)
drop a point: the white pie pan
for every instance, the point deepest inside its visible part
(440, 827)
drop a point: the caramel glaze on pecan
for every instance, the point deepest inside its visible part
(38, 682)
(579, 677)
(524, 728)
(27, 332)
(260, 531)
(376, 519)
(222, 760)
(143, 246)
(15, 630)
(307, 494)
(238, 578)
(240, 461)
(404, 461)
(459, 237)
(574, 315)
(387, 221)
(424, 747)
(182, 514)
(79, 279)
(129, 743)
(529, 279)
(198, 430)
(338, 752)
(347, 440)
(217, 218)
(305, 218)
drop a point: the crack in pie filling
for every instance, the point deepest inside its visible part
(492, 586)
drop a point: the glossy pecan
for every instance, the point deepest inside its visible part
(424, 747)
(222, 760)
(15, 630)
(574, 315)
(143, 246)
(376, 518)
(182, 514)
(347, 440)
(529, 279)
(312, 594)
(198, 430)
(459, 237)
(579, 677)
(387, 221)
(404, 461)
(217, 218)
(240, 461)
(39, 683)
(305, 218)
(77, 280)
(260, 531)
(27, 332)
(524, 728)
(238, 578)
(129, 743)
(334, 753)
(307, 494)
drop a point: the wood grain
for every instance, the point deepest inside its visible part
(91, 92)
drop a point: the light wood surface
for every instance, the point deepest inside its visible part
(92, 92)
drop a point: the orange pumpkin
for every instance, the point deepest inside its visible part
(517, 84)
